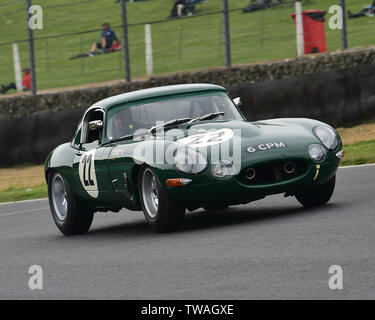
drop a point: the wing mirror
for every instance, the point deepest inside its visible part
(237, 101)
(95, 125)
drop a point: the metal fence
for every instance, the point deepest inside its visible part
(215, 36)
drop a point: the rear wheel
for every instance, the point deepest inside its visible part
(161, 211)
(70, 216)
(317, 195)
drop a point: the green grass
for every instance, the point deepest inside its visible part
(200, 38)
(359, 153)
(24, 193)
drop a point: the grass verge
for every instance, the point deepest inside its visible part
(23, 193)
(359, 153)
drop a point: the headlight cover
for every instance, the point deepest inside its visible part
(222, 169)
(317, 152)
(327, 136)
(189, 161)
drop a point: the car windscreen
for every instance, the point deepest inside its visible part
(125, 120)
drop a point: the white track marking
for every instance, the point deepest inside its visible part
(23, 201)
(359, 166)
(23, 211)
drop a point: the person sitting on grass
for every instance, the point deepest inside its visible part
(108, 36)
(184, 7)
(256, 5)
(26, 83)
(368, 11)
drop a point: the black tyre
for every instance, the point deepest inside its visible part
(70, 216)
(317, 195)
(161, 212)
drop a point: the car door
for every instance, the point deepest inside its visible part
(88, 161)
(85, 168)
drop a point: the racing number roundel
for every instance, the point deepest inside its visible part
(87, 175)
(208, 138)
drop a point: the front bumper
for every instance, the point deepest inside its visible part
(233, 191)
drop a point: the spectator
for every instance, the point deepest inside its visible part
(368, 11)
(190, 5)
(108, 36)
(26, 82)
(118, 1)
(178, 9)
(184, 7)
(256, 5)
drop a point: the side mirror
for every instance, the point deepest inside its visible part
(237, 101)
(95, 125)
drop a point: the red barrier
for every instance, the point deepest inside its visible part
(313, 30)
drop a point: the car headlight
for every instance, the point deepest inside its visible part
(222, 169)
(317, 152)
(327, 136)
(189, 161)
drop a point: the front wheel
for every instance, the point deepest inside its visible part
(317, 195)
(70, 216)
(161, 211)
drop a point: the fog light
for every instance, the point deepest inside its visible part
(317, 152)
(250, 173)
(289, 167)
(222, 169)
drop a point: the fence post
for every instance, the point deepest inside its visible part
(17, 67)
(228, 59)
(148, 42)
(125, 39)
(344, 38)
(31, 49)
(299, 29)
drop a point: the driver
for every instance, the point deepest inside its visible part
(122, 125)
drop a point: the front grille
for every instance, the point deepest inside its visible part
(272, 172)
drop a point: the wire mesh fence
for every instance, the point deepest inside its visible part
(178, 44)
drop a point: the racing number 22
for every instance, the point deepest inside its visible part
(87, 160)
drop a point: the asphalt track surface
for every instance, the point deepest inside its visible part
(269, 249)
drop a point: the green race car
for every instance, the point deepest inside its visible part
(164, 150)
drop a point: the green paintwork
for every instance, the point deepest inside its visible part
(113, 160)
(155, 93)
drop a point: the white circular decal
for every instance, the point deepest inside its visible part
(87, 175)
(208, 138)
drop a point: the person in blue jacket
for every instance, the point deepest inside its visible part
(108, 36)
(368, 11)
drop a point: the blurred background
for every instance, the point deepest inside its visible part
(181, 43)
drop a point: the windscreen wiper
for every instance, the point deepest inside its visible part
(170, 123)
(207, 116)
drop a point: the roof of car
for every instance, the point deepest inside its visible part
(155, 92)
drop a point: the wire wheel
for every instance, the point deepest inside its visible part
(59, 197)
(150, 193)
